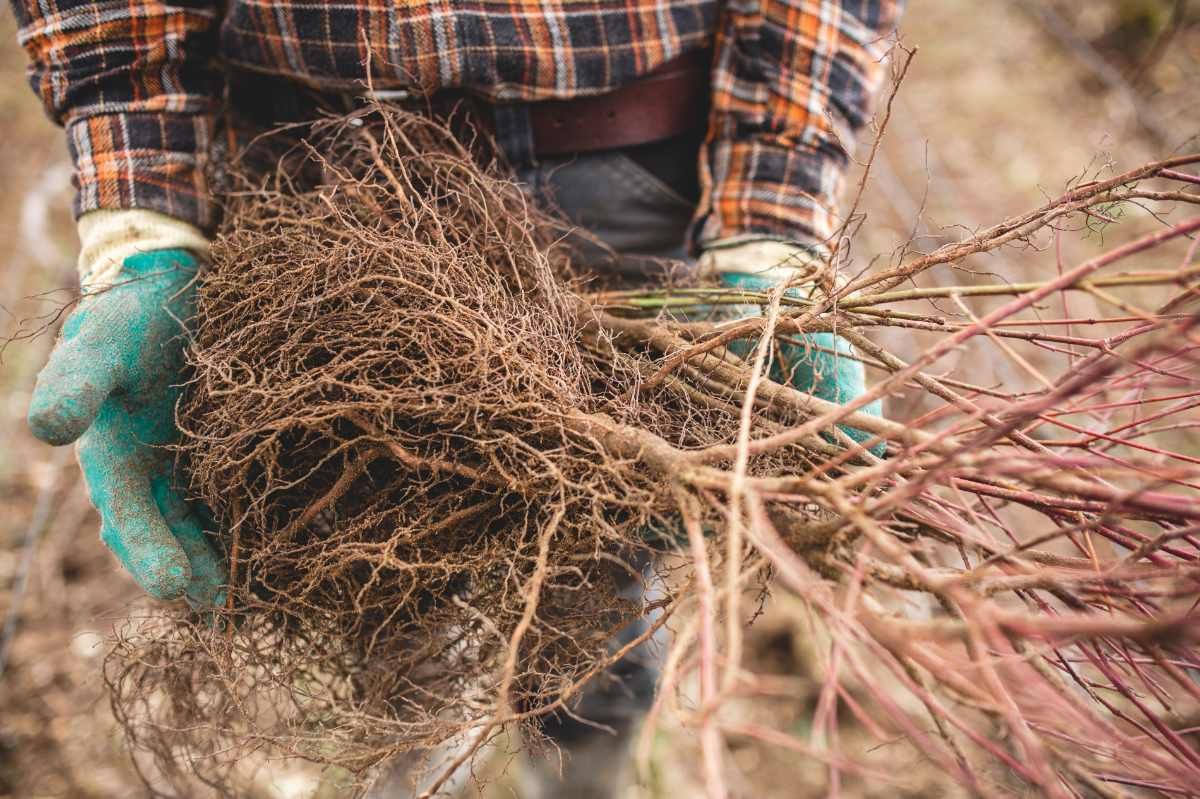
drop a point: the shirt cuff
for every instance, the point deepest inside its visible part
(152, 161)
(767, 190)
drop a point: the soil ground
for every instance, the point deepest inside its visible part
(1003, 106)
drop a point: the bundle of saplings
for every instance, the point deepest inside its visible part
(434, 467)
(441, 460)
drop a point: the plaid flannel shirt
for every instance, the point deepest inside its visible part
(137, 83)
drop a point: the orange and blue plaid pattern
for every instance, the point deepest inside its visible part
(137, 82)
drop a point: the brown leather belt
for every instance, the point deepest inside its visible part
(671, 101)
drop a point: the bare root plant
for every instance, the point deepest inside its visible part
(437, 459)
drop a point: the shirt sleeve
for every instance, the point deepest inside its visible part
(135, 84)
(793, 83)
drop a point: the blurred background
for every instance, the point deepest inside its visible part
(1006, 104)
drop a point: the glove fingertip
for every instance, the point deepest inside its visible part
(165, 582)
(68, 394)
(162, 572)
(58, 420)
(206, 589)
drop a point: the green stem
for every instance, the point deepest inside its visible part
(693, 297)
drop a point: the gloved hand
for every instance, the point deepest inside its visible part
(111, 384)
(821, 364)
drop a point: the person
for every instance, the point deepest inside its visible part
(717, 131)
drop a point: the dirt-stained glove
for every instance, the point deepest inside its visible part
(111, 384)
(821, 364)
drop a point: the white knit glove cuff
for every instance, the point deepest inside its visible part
(769, 259)
(108, 237)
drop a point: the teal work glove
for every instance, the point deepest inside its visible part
(111, 384)
(813, 365)
(821, 364)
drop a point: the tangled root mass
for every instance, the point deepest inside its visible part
(397, 417)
